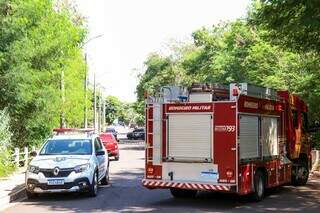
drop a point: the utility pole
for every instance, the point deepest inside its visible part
(99, 111)
(63, 99)
(85, 115)
(94, 103)
(103, 114)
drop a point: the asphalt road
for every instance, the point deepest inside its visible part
(125, 194)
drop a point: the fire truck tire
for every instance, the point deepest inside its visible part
(259, 186)
(183, 193)
(300, 178)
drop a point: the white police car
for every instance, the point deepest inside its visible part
(68, 163)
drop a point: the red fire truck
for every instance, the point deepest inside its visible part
(237, 139)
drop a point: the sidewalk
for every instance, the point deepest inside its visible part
(12, 188)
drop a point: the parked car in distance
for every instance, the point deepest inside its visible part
(111, 144)
(136, 134)
(113, 131)
(68, 163)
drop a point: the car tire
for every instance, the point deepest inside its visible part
(31, 195)
(93, 188)
(116, 158)
(106, 179)
(259, 186)
(183, 193)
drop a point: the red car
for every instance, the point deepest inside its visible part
(111, 144)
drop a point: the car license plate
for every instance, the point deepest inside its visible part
(56, 182)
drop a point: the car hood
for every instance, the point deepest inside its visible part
(61, 161)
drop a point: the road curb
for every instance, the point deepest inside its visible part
(18, 195)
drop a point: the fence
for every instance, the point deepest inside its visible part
(22, 158)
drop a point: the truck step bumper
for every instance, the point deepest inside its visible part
(152, 184)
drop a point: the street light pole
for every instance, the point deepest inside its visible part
(94, 103)
(85, 116)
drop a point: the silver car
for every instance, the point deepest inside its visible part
(68, 163)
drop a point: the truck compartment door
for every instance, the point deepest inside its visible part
(225, 141)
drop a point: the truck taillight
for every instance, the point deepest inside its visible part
(229, 173)
(150, 170)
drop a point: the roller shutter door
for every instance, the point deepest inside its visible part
(190, 137)
(249, 136)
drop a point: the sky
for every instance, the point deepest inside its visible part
(129, 30)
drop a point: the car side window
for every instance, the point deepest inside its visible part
(97, 144)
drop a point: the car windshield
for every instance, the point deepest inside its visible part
(138, 130)
(67, 147)
(110, 130)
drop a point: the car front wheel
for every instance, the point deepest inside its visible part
(93, 189)
(105, 180)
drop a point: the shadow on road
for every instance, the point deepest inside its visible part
(127, 195)
(137, 148)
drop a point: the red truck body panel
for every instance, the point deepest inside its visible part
(224, 169)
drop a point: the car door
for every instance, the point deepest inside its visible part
(101, 158)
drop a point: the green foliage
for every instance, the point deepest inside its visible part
(113, 109)
(292, 23)
(236, 52)
(316, 140)
(38, 42)
(6, 167)
(128, 113)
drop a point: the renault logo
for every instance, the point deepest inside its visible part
(56, 171)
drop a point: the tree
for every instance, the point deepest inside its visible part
(236, 52)
(292, 23)
(37, 43)
(113, 108)
(5, 138)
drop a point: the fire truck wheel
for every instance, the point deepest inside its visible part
(259, 186)
(183, 193)
(301, 176)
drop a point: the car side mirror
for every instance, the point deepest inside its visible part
(33, 154)
(101, 152)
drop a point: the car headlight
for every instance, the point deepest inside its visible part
(82, 168)
(34, 169)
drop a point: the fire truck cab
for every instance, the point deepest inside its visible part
(237, 139)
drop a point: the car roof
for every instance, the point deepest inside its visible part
(73, 136)
(106, 133)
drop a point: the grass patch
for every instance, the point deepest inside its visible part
(6, 170)
(6, 167)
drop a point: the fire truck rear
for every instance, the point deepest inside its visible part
(238, 139)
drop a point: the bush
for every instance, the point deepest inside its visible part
(316, 140)
(6, 166)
